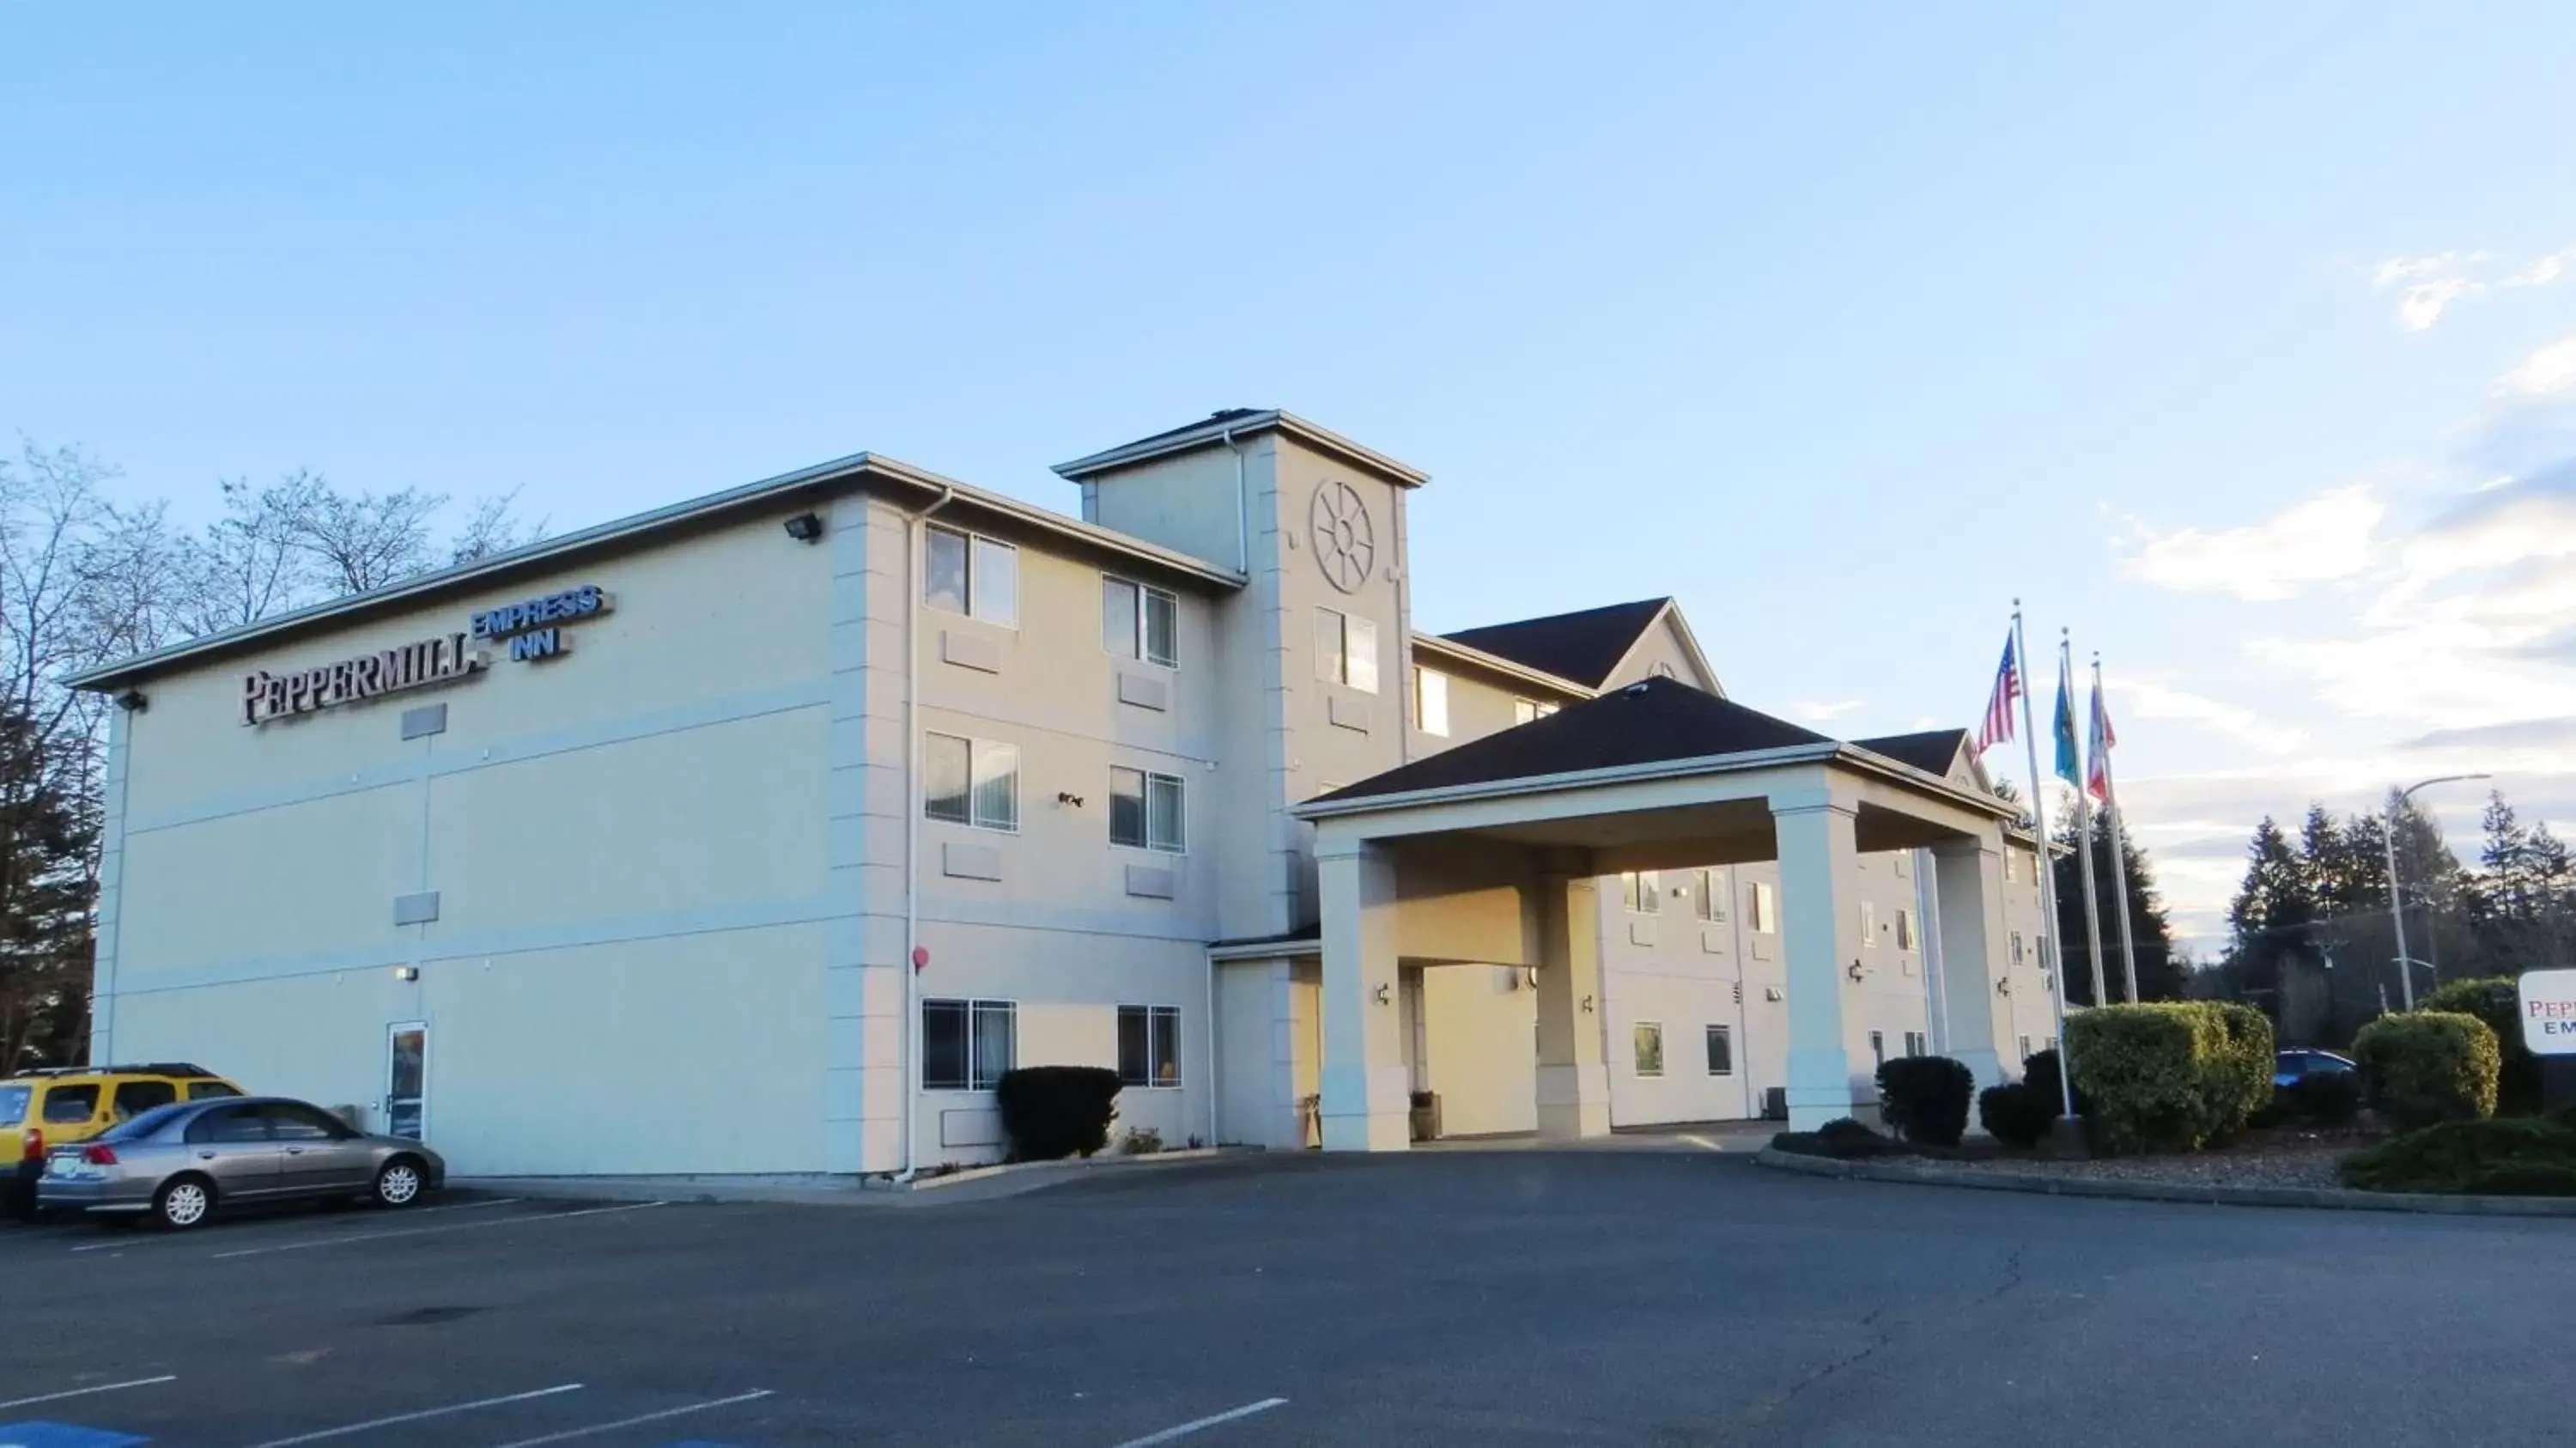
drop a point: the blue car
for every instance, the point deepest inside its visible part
(2289, 1066)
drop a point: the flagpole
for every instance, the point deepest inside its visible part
(2083, 823)
(2119, 842)
(2046, 871)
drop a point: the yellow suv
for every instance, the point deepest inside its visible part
(40, 1110)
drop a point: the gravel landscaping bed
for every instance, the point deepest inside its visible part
(2262, 1159)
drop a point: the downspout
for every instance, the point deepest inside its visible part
(1936, 985)
(912, 548)
(1243, 565)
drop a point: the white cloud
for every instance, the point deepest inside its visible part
(2326, 538)
(2549, 372)
(2142, 699)
(1822, 712)
(2427, 285)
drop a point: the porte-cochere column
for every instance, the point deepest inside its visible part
(1820, 937)
(1366, 1088)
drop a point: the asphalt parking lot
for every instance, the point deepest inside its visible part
(1492, 1300)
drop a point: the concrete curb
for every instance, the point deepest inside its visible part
(976, 1184)
(2327, 1198)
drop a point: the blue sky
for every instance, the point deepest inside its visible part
(2220, 334)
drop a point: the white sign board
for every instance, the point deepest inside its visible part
(2549, 1012)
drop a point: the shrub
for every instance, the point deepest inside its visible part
(2328, 1098)
(2497, 1000)
(2017, 1113)
(1840, 1137)
(1925, 1098)
(2170, 1074)
(2421, 1067)
(1057, 1111)
(2517, 1156)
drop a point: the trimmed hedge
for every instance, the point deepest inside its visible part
(2497, 1000)
(2422, 1067)
(2016, 1114)
(2516, 1156)
(2170, 1075)
(1052, 1112)
(1841, 1137)
(1925, 1098)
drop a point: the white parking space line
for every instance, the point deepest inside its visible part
(307, 1246)
(130, 1242)
(85, 1392)
(1184, 1430)
(679, 1412)
(453, 1408)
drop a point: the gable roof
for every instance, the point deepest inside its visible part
(1584, 646)
(1933, 750)
(1218, 427)
(1650, 722)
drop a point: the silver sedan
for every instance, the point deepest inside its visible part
(179, 1164)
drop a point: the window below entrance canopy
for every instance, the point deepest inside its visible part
(967, 1045)
(1650, 1048)
(1641, 891)
(1149, 1045)
(1721, 1051)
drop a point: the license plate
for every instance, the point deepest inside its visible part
(64, 1164)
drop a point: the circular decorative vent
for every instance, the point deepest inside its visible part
(1345, 540)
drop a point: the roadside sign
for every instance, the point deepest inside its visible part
(2548, 999)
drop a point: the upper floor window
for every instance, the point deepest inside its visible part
(1710, 887)
(2016, 948)
(1642, 891)
(1345, 650)
(2012, 865)
(1140, 622)
(1525, 710)
(1904, 928)
(1145, 810)
(1868, 923)
(970, 782)
(970, 574)
(1765, 905)
(1431, 701)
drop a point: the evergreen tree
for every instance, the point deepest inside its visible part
(2163, 974)
(47, 831)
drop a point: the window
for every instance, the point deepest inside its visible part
(1868, 923)
(1345, 650)
(1650, 1048)
(133, 1098)
(1721, 1051)
(1641, 891)
(1878, 1048)
(2025, 1050)
(1766, 907)
(1904, 928)
(1710, 889)
(2016, 948)
(972, 575)
(967, 1045)
(1138, 622)
(1149, 1045)
(1431, 701)
(208, 1090)
(2012, 865)
(970, 782)
(1914, 1043)
(290, 1122)
(228, 1123)
(71, 1103)
(1145, 810)
(1525, 711)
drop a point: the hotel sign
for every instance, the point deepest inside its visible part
(267, 696)
(534, 626)
(2548, 1001)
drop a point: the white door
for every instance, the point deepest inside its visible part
(407, 1079)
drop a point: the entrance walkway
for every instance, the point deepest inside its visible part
(1734, 1137)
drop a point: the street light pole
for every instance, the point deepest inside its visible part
(2396, 902)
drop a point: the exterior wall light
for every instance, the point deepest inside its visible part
(132, 701)
(805, 528)
(406, 972)
(2004, 986)
(1381, 995)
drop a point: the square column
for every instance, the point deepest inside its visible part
(1573, 1081)
(1820, 939)
(1968, 886)
(1365, 1086)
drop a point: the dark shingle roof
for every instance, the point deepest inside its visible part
(1644, 723)
(1933, 751)
(1222, 414)
(1583, 647)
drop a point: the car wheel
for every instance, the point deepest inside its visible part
(183, 1202)
(399, 1183)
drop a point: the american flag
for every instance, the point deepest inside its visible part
(2097, 774)
(1998, 726)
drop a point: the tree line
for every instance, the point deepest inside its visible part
(86, 579)
(2312, 939)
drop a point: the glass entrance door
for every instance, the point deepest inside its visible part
(407, 1079)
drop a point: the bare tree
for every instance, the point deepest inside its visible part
(494, 526)
(244, 567)
(356, 541)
